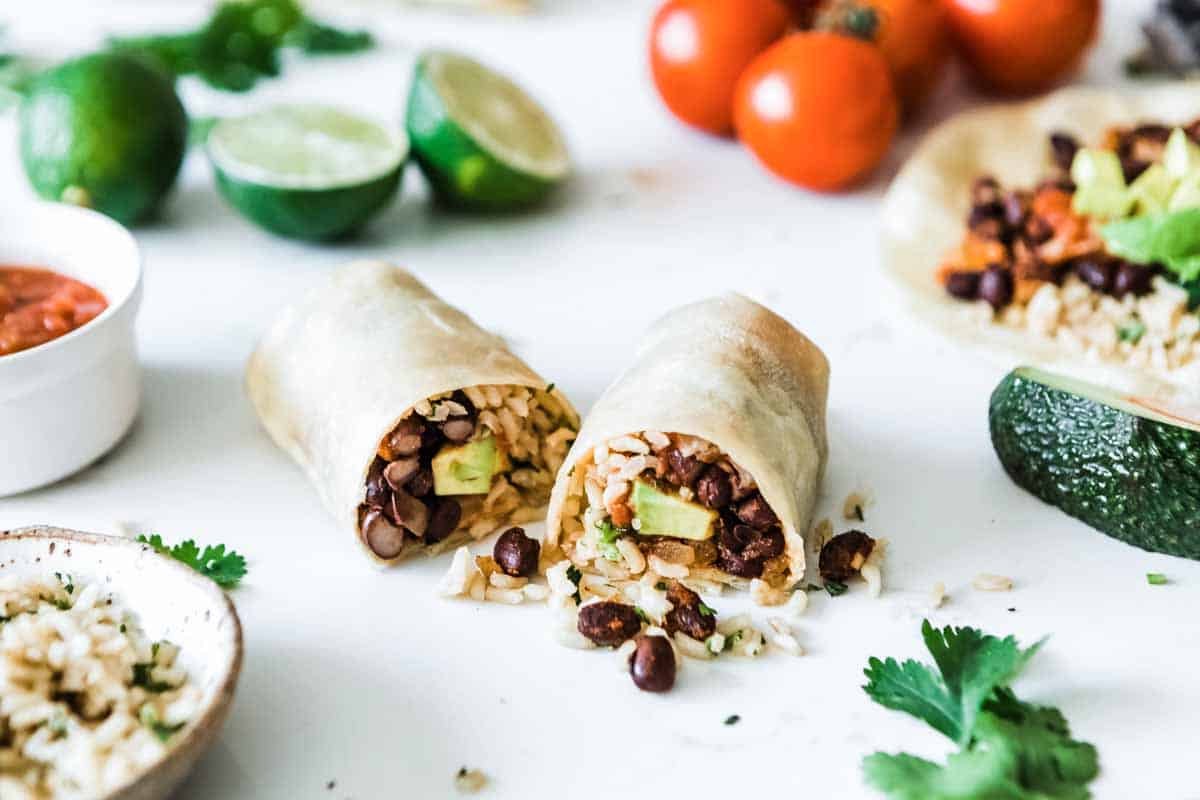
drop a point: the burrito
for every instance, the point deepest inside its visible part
(703, 460)
(1048, 233)
(419, 429)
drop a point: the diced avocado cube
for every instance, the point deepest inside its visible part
(662, 514)
(466, 468)
(1153, 190)
(1181, 155)
(1187, 193)
(1100, 189)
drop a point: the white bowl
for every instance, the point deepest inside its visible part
(170, 602)
(65, 403)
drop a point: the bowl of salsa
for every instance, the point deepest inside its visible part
(70, 288)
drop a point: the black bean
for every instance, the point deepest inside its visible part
(404, 440)
(963, 284)
(685, 470)
(741, 489)
(1096, 272)
(410, 512)
(401, 472)
(987, 220)
(652, 665)
(1132, 279)
(996, 286)
(379, 534)
(985, 189)
(756, 513)
(516, 554)
(742, 551)
(444, 518)
(1063, 147)
(1038, 231)
(609, 623)
(842, 556)
(713, 489)
(1014, 208)
(421, 484)
(458, 429)
(377, 495)
(686, 614)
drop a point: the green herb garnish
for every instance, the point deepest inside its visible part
(733, 719)
(1007, 748)
(1156, 579)
(549, 388)
(68, 582)
(1171, 239)
(227, 569)
(705, 611)
(835, 588)
(642, 615)
(141, 677)
(607, 543)
(1132, 330)
(149, 718)
(575, 576)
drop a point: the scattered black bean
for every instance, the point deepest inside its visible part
(987, 220)
(385, 539)
(984, 190)
(1014, 208)
(1132, 279)
(458, 429)
(516, 554)
(756, 513)
(686, 614)
(714, 489)
(421, 483)
(410, 512)
(996, 286)
(742, 550)
(443, 520)
(1096, 272)
(609, 623)
(652, 665)
(963, 284)
(842, 556)
(1038, 231)
(404, 440)
(401, 472)
(685, 470)
(377, 495)
(1063, 147)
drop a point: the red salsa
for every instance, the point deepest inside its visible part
(37, 305)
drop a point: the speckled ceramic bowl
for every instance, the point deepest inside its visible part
(171, 602)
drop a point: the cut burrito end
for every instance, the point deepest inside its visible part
(675, 505)
(459, 465)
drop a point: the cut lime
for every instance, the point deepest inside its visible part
(309, 172)
(481, 141)
(105, 131)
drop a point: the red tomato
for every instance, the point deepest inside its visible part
(1022, 46)
(698, 48)
(818, 109)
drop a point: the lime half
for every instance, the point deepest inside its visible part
(481, 141)
(309, 172)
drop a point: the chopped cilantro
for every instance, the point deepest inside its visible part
(122, 627)
(57, 725)
(1007, 748)
(642, 615)
(835, 588)
(858, 513)
(1156, 579)
(574, 576)
(661, 586)
(1132, 330)
(141, 677)
(705, 611)
(733, 719)
(549, 388)
(227, 569)
(149, 718)
(607, 542)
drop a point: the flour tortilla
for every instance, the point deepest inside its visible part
(732, 372)
(337, 372)
(924, 213)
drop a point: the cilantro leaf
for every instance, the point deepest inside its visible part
(1038, 740)
(967, 775)
(1171, 239)
(227, 569)
(607, 542)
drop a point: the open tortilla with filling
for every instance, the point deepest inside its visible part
(419, 429)
(703, 460)
(924, 212)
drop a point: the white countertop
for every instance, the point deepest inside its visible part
(363, 677)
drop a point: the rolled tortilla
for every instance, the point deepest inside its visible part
(925, 207)
(339, 370)
(725, 371)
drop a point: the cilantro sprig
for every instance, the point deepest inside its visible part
(226, 568)
(1008, 749)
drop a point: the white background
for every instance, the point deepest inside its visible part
(363, 677)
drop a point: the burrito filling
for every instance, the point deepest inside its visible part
(674, 505)
(1092, 257)
(463, 462)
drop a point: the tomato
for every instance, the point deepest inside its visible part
(915, 39)
(1022, 46)
(817, 109)
(698, 48)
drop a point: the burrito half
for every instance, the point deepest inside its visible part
(702, 461)
(418, 429)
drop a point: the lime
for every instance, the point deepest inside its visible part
(481, 141)
(105, 131)
(310, 172)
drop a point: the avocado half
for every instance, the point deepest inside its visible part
(1118, 463)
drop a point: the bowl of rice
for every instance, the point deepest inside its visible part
(117, 667)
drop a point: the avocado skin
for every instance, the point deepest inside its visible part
(1132, 478)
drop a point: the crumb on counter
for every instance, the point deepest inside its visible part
(469, 781)
(986, 582)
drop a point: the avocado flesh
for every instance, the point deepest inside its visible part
(662, 514)
(466, 468)
(1153, 190)
(1116, 463)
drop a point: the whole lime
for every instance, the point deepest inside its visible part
(106, 131)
